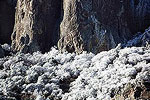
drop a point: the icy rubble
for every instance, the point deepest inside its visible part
(66, 76)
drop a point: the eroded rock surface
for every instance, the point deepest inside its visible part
(99, 25)
(138, 91)
(91, 25)
(35, 25)
(140, 39)
(80, 30)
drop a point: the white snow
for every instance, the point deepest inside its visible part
(67, 76)
(6, 47)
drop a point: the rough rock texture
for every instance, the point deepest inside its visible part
(100, 25)
(140, 9)
(35, 25)
(80, 30)
(7, 18)
(140, 39)
(92, 25)
(138, 91)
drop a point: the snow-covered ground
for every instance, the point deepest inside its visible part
(66, 76)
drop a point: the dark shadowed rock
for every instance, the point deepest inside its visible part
(1, 52)
(140, 39)
(7, 18)
(141, 12)
(100, 25)
(35, 25)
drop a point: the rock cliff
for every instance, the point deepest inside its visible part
(76, 25)
(35, 25)
(99, 25)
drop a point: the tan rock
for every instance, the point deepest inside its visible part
(35, 25)
(85, 28)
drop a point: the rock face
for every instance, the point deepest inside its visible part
(141, 11)
(7, 17)
(140, 39)
(138, 91)
(35, 25)
(91, 25)
(98, 25)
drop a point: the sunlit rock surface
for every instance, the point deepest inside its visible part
(101, 25)
(36, 25)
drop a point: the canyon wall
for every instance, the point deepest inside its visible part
(100, 25)
(75, 25)
(35, 25)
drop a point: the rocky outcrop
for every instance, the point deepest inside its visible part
(91, 25)
(98, 25)
(7, 18)
(35, 25)
(138, 91)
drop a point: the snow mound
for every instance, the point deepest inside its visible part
(66, 76)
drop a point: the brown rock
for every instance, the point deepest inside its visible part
(87, 26)
(91, 25)
(139, 91)
(35, 25)
(97, 25)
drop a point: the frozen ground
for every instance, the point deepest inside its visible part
(66, 76)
